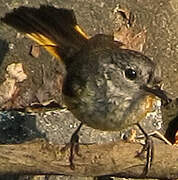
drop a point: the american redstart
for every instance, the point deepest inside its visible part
(106, 87)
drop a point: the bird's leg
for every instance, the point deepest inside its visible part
(73, 145)
(148, 146)
(159, 136)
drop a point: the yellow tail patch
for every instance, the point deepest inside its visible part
(48, 44)
(78, 29)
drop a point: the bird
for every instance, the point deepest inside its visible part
(106, 86)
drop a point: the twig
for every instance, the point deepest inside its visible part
(40, 157)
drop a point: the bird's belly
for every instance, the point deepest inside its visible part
(118, 118)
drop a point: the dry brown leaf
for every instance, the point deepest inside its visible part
(131, 40)
(35, 51)
(176, 139)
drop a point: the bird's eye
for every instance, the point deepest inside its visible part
(130, 74)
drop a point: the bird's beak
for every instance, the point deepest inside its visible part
(157, 91)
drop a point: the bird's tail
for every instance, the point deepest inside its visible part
(55, 29)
